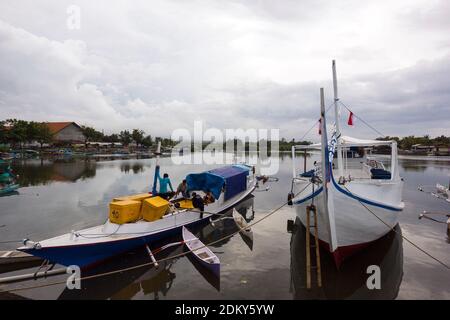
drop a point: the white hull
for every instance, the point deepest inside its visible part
(357, 202)
(354, 224)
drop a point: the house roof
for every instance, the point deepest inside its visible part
(55, 127)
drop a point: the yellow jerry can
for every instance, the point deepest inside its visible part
(125, 211)
(154, 208)
(186, 204)
(136, 197)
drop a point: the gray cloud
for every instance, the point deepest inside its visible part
(160, 65)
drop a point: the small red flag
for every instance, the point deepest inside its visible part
(320, 126)
(350, 119)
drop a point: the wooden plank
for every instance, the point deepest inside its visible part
(308, 251)
(14, 256)
(316, 235)
(30, 276)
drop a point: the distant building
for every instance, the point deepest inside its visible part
(421, 148)
(442, 150)
(66, 132)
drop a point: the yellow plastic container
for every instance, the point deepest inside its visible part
(135, 197)
(125, 211)
(154, 208)
(186, 204)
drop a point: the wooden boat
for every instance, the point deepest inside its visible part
(443, 191)
(90, 246)
(201, 252)
(358, 201)
(246, 231)
(9, 188)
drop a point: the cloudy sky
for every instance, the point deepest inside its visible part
(160, 65)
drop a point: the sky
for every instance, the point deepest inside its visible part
(161, 65)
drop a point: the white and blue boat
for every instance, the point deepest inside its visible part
(84, 248)
(358, 200)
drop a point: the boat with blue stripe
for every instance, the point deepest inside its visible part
(87, 247)
(358, 199)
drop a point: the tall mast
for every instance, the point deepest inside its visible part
(328, 199)
(338, 129)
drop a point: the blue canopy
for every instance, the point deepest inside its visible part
(233, 178)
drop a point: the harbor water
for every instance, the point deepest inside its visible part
(60, 195)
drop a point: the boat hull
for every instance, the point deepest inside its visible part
(9, 189)
(88, 255)
(197, 247)
(113, 241)
(358, 220)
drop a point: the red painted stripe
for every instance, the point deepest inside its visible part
(344, 252)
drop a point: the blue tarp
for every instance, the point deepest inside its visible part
(234, 178)
(380, 174)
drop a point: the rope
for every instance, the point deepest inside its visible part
(404, 237)
(11, 241)
(162, 260)
(437, 194)
(317, 121)
(362, 120)
(425, 215)
(432, 219)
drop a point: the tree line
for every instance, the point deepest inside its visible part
(18, 132)
(125, 137)
(406, 143)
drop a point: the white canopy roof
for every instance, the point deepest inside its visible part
(347, 141)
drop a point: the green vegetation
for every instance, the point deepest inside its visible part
(18, 132)
(406, 143)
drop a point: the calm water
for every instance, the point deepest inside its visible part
(59, 196)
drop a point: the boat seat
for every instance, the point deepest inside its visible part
(307, 174)
(380, 174)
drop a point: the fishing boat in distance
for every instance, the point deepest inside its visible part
(201, 252)
(8, 184)
(358, 200)
(154, 219)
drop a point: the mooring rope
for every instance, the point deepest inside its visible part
(362, 120)
(404, 237)
(432, 219)
(437, 194)
(11, 241)
(161, 260)
(315, 123)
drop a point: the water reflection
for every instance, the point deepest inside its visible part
(349, 282)
(34, 172)
(136, 167)
(147, 280)
(223, 228)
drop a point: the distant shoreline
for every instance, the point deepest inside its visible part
(413, 157)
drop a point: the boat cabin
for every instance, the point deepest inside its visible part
(230, 180)
(349, 168)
